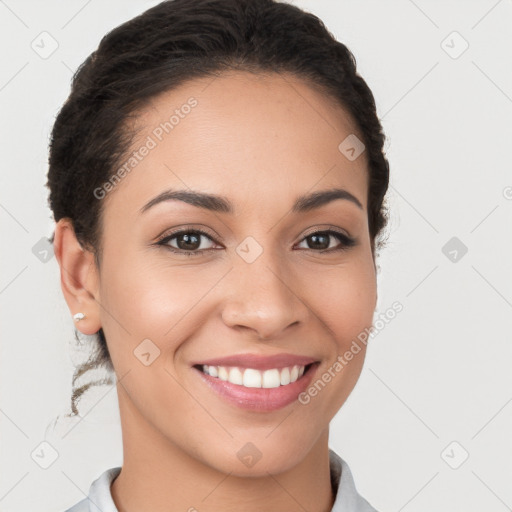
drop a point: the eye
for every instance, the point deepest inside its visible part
(188, 241)
(320, 241)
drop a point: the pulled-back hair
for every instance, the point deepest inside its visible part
(164, 47)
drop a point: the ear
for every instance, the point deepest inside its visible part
(79, 277)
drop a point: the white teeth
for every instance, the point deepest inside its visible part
(235, 376)
(285, 376)
(251, 378)
(271, 379)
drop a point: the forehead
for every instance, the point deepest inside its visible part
(249, 136)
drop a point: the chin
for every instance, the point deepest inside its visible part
(256, 458)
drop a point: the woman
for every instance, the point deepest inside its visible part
(217, 177)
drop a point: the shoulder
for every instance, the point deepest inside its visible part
(347, 497)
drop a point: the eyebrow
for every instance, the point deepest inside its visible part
(221, 204)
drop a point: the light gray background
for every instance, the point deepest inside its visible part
(439, 372)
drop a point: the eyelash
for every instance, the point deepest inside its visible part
(346, 242)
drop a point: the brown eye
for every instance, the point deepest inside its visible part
(187, 242)
(321, 241)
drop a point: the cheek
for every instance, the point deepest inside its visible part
(145, 321)
(153, 300)
(345, 300)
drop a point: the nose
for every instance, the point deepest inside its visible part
(263, 298)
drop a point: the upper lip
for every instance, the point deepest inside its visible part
(259, 362)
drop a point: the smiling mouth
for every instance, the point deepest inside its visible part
(254, 378)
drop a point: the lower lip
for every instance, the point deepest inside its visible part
(259, 399)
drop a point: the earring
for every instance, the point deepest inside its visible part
(78, 317)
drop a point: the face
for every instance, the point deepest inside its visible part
(255, 277)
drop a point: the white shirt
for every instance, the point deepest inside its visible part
(347, 498)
